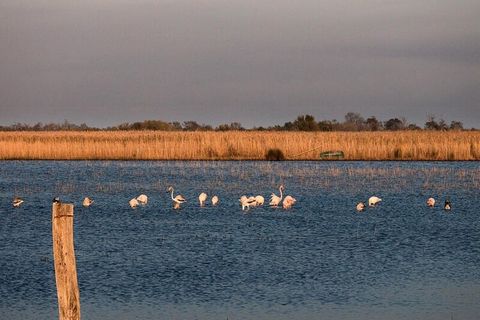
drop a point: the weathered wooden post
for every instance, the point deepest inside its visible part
(64, 260)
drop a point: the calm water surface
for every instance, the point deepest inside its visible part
(320, 260)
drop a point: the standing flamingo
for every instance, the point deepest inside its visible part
(17, 202)
(431, 202)
(288, 202)
(214, 200)
(360, 206)
(247, 202)
(202, 198)
(373, 201)
(133, 203)
(274, 199)
(87, 202)
(259, 200)
(178, 200)
(142, 199)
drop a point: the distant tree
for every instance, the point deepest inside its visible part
(176, 126)
(305, 123)
(229, 127)
(327, 125)
(456, 125)
(431, 124)
(394, 124)
(372, 124)
(413, 126)
(353, 122)
(191, 126)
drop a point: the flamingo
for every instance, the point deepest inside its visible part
(288, 202)
(142, 199)
(202, 198)
(214, 200)
(178, 200)
(373, 201)
(431, 202)
(274, 199)
(87, 202)
(360, 206)
(259, 200)
(133, 203)
(17, 202)
(247, 202)
(447, 205)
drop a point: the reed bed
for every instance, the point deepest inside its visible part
(234, 145)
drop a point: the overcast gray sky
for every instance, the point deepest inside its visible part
(104, 62)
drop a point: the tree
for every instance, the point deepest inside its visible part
(305, 123)
(228, 127)
(394, 124)
(431, 124)
(373, 124)
(353, 122)
(456, 125)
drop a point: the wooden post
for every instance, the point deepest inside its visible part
(64, 260)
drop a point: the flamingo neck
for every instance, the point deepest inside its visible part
(281, 194)
(172, 195)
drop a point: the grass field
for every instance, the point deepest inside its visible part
(245, 145)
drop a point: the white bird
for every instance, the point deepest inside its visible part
(133, 203)
(288, 202)
(177, 200)
(202, 198)
(431, 202)
(17, 202)
(372, 201)
(274, 199)
(259, 200)
(360, 206)
(247, 202)
(142, 199)
(87, 202)
(214, 200)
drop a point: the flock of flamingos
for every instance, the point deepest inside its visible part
(246, 202)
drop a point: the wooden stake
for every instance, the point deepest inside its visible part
(64, 260)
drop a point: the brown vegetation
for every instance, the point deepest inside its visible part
(239, 145)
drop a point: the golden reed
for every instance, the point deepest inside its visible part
(233, 145)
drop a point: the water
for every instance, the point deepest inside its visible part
(320, 260)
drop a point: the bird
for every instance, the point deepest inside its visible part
(214, 200)
(87, 202)
(179, 199)
(447, 205)
(431, 202)
(288, 202)
(17, 202)
(373, 201)
(133, 203)
(142, 199)
(360, 206)
(259, 200)
(274, 199)
(56, 200)
(247, 202)
(202, 198)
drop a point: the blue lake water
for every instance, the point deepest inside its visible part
(319, 260)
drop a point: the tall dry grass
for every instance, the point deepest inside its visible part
(155, 145)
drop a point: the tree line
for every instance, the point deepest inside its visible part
(352, 122)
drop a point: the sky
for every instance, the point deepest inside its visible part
(260, 63)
